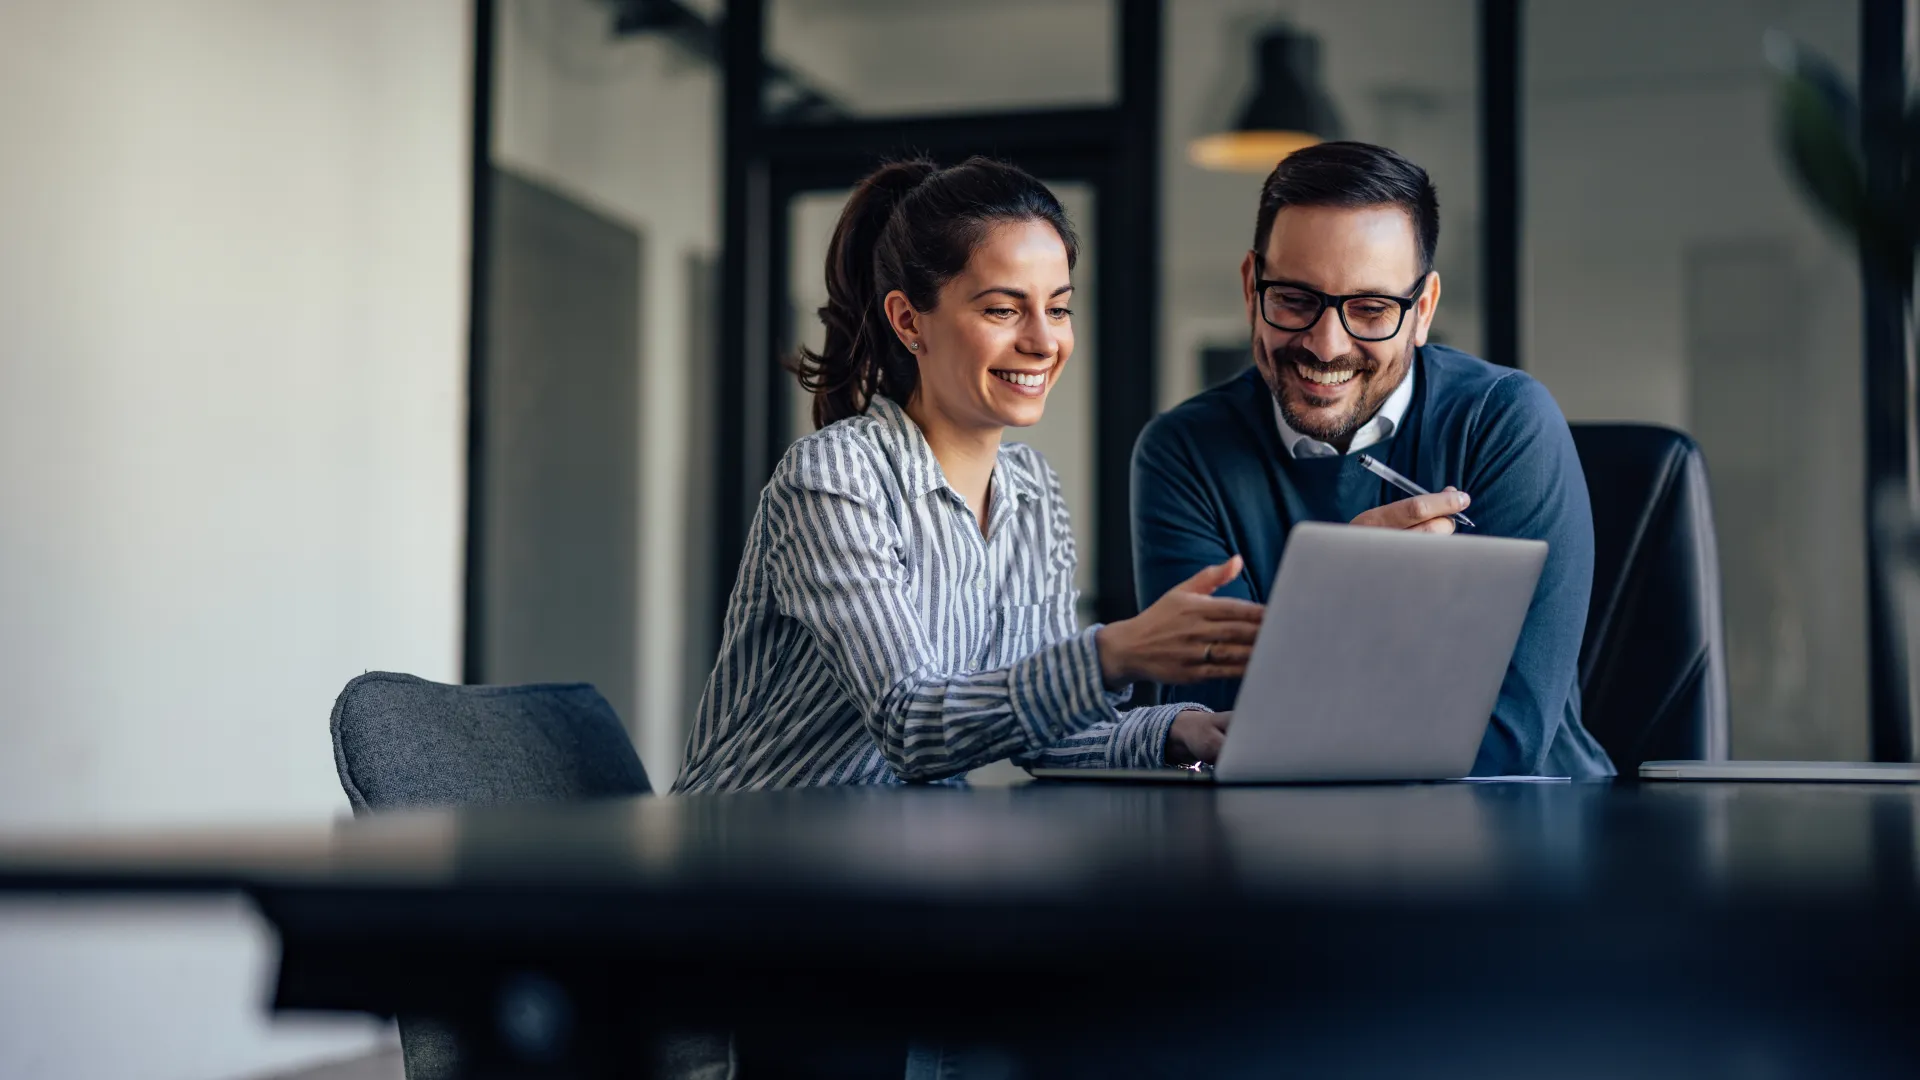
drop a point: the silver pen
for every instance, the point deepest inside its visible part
(1372, 465)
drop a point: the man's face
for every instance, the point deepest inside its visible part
(1328, 383)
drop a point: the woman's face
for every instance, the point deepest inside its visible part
(991, 349)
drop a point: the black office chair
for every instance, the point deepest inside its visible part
(400, 741)
(1653, 666)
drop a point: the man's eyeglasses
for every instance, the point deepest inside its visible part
(1367, 316)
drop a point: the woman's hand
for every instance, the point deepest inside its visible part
(1197, 736)
(1187, 636)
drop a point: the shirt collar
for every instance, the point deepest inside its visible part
(920, 470)
(1379, 429)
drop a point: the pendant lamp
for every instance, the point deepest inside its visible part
(1289, 109)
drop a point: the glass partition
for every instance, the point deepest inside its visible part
(1675, 275)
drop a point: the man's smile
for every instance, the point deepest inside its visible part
(1321, 386)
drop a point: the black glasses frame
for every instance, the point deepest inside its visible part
(1328, 300)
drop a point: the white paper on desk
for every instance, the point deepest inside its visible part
(1514, 780)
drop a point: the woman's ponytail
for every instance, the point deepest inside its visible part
(861, 356)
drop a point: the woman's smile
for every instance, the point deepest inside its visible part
(1032, 384)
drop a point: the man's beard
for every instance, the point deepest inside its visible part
(1374, 389)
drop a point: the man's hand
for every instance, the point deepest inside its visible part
(1422, 513)
(1197, 736)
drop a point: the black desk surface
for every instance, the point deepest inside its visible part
(1502, 906)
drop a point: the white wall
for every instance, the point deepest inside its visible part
(232, 336)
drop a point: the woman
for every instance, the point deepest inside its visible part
(905, 605)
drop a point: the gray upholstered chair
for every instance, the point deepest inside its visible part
(401, 741)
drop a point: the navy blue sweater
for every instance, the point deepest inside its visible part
(1211, 480)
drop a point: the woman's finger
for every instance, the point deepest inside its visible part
(1217, 653)
(1235, 655)
(1227, 609)
(1230, 634)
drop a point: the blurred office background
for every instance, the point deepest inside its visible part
(251, 252)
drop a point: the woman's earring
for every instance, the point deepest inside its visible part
(914, 345)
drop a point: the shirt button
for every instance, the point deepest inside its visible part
(979, 584)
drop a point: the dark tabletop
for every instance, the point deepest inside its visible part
(1038, 845)
(1081, 901)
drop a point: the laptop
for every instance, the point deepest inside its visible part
(1380, 658)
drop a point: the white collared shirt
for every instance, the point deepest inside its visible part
(1379, 429)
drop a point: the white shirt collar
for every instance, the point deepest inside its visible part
(1379, 429)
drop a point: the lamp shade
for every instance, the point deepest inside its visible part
(1288, 109)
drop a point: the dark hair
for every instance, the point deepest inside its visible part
(1351, 174)
(910, 226)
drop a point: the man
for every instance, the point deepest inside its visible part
(1340, 293)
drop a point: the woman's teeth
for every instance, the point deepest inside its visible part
(1019, 378)
(1324, 378)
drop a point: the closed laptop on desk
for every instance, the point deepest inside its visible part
(1843, 772)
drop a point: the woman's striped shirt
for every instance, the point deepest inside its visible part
(874, 636)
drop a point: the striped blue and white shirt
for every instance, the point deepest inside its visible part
(874, 636)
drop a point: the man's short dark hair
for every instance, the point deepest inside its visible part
(1352, 175)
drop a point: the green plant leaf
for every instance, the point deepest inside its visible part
(1823, 130)
(1822, 152)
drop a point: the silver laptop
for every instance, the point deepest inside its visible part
(1380, 658)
